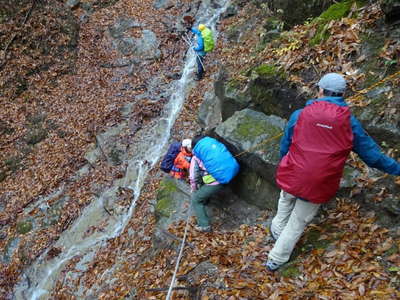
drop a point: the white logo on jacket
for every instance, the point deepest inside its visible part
(324, 126)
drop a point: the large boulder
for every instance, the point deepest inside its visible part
(147, 46)
(225, 208)
(255, 138)
(293, 12)
(379, 110)
(210, 111)
(123, 24)
(268, 91)
(170, 203)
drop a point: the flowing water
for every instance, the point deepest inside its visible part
(39, 279)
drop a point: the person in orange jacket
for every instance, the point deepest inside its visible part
(182, 161)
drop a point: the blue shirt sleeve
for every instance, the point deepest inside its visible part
(287, 136)
(370, 152)
(200, 40)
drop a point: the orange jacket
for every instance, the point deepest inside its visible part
(181, 164)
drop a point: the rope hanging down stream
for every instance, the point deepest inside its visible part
(352, 98)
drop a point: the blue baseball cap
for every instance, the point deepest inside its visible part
(333, 82)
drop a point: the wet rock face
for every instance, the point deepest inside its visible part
(252, 131)
(295, 12)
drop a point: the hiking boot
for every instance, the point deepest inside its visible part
(272, 265)
(203, 228)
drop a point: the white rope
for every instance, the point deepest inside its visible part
(179, 256)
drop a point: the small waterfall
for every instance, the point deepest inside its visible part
(43, 273)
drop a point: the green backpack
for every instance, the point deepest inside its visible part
(208, 39)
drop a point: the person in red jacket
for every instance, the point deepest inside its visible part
(181, 165)
(314, 149)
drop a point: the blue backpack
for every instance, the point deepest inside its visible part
(216, 158)
(168, 161)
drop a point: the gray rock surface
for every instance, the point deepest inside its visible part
(72, 3)
(118, 29)
(256, 136)
(147, 45)
(210, 111)
(164, 4)
(295, 12)
(225, 209)
(268, 91)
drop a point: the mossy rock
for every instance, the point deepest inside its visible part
(13, 163)
(36, 135)
(312, 240)
(247, 129)
(266, 70)
(270, 92)
(258, 135)
(24, 227)
(116, 156)
(166, 199)
(290, 270)
(293, 12)
(36, 119)
(334, 12)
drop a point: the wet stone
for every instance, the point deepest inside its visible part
(121, 26)
(10, 248)
(72, 3)
(165, 4)
(125, 45)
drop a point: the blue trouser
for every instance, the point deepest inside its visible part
(200, 69)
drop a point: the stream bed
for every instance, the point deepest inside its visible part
(142, 154)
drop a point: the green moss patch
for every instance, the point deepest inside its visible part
(266, 70)
(393, 250)
(251, 128)
(312, 240)
(165, 200)
(334, 12)
(290, 270)
(24, 227)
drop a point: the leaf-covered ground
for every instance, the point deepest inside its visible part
(56, 96)
(50, 117)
